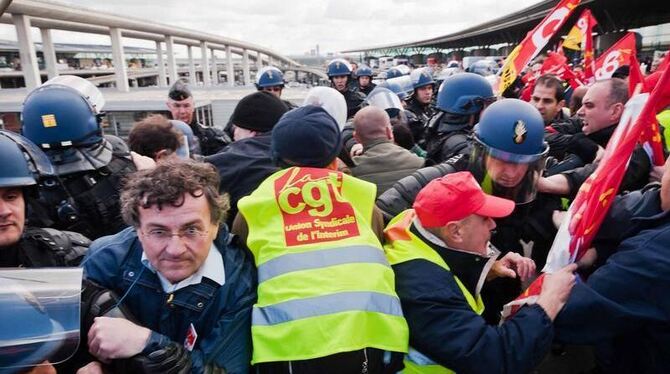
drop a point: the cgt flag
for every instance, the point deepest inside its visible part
(596, 195)
(580, 37)
(618, 55)
(533, 43)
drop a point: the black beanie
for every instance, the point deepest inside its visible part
(259, 111)
(179, 91)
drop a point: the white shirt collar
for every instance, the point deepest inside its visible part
(211, 268)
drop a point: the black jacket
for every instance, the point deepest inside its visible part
(445, 328)
(243, 166)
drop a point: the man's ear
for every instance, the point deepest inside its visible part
(452, 232)
(356, 138)
(162, 154)
(561, 104)
(616, 111)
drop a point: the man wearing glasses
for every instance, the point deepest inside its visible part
(187, 290)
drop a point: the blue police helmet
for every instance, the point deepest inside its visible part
(15, 171)
(464, 94)
(512, 130)
(421, 77)
(364, 71)
(338, 67)
(269, 76)
(56, 116)
(401, 86)
(34, 158)
(393, 73)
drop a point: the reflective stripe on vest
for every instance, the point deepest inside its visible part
(402, 246)
(325, 286)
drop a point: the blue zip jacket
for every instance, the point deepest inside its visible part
(221, 315)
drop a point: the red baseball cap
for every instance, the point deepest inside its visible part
(454, 197)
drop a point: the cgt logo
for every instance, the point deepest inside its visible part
(313, 208)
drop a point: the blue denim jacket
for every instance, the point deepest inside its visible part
(221, 315)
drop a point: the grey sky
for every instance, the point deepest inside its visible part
(296, 26)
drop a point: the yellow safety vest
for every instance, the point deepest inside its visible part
(664, 121)
(325, 286)
(402, 246)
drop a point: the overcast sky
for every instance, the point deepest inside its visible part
(296, 26)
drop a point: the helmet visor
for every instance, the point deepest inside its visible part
(513, 178)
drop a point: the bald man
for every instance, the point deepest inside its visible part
(382, 161)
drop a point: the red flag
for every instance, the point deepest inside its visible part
(588, 22)
(533, 43)
(556, 64)
(651, 136)
(596, 195)
(635, 77)
(618, 55)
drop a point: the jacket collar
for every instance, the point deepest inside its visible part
(212, 268)
(469, 267)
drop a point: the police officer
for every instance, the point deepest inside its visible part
(420, 103)
(181, 106)
(339, 73)
(271, 79)
(21, 245)
(507, 158)
(460, 100)
(364, 79)
(63, 118)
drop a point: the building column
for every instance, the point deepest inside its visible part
(245, 67)
(160, 64)
(215, 69)
(29, 67)
(206, 81)
(230, 67)
(259, 60)
(191, 67)
(172, 64)
(49, 53)
(119, 59)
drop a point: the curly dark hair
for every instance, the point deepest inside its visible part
(167, 184)
(153, 134)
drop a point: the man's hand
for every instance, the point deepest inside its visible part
(511, 265)
(556, 289)
(142, 162)
(44, 367)
(111, 338)
(92, 368)
(356, 150)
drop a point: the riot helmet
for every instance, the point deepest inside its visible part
(33, 158)
(363, 71)
(464, 94)
(382, 97)
(66, 111)
(269, 76)
(401, 86)
(510, 150)
(331, 101)
(422, 77)
(338, 67)
(15, 171)
(397, 71)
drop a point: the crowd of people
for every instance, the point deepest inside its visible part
(376, 228)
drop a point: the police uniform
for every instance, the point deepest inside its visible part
(63, 117)
(531, 221)
(44, 247)
(210, 139)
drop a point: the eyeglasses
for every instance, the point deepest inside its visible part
(273, 88)
(189, 234)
